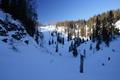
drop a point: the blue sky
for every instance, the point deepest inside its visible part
(51, 11)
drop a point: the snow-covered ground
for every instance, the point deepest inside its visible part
(30, 62)
(33, 63)
(118, 25)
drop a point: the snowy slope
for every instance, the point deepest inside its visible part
(30, 62)
(63, 49)
(94, 61)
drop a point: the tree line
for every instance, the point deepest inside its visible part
(24, 11)
(99, 28)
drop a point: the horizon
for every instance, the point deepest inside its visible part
(52, 11)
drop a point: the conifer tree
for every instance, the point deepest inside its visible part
(5, 5)
(24, 11)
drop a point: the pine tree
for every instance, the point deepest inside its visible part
(5, 5)
(98, 46)
(90, 46)
(75, 53)
(98, 32)
(23, 10)
(71, 46)
(49, 42)
(111, 20)
(93, 34)
(56, 47)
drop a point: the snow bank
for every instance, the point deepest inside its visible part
(117, 24)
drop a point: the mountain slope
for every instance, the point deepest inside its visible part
(36, 63)
(21, 61)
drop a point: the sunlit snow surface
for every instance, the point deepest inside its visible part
(117, 24)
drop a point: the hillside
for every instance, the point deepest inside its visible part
(30, 62)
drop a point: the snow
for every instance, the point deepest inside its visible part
(25, 65)
(117, 24)
(2, 15)
(30, 62)
(95, 59)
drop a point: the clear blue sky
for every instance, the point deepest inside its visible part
(51, 11)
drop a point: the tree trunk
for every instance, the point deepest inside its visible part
(81, 63)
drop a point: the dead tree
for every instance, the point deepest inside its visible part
(82, 63)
